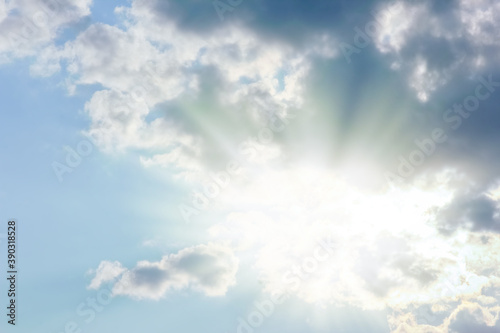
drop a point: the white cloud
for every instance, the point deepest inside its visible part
(118, 122)
(432, 46)
(151, 62)
(106, 272)
(397, 21)
(27, 26)
(481, 19)
(210, 269)
(425, 81)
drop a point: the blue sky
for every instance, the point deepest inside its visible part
(252, 166)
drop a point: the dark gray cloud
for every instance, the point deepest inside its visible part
(149, 276)
(471, 208)
(281, 20)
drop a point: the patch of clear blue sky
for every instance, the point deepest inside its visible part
(103, 11)
(100, 211)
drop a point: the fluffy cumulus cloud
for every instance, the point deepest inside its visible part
(151, 68)
(434, 42)
(209, 269)
(28, 26)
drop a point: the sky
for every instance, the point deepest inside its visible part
(251, 165)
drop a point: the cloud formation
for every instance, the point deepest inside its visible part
(433, 43)
(28, 26)
(209, 269)
(390, 250)
(153, 67)
(181, 90)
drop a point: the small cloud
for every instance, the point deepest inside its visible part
(107, 271)
(210, 269)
